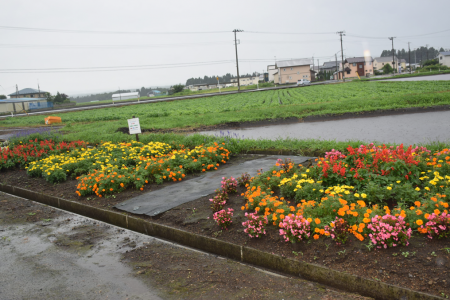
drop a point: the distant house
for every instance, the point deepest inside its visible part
(29, 93)
(246, 80)
(290, 71)
(272, 69)
(156, 92)
(444, 58)
(403, 63)
(275, 77)
(380, 62)
(332, 66)
(358, 66)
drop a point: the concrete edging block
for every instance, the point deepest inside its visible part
(341, 280)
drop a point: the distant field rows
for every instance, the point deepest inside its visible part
(354, 97)
(249, 101)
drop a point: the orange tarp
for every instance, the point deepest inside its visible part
(51, 120)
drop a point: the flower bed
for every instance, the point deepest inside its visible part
(111, 168)
(22, 154)
(376, 193)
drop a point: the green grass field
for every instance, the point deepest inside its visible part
(99, 125)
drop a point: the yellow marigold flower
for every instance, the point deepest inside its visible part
(309, 220)
(316, 230)
(389, 188)
(417, 188)
(366, 220)
(398, 181)
(357, 195)
(419, 222)
(363, 195)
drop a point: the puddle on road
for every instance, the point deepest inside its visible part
(66, 260)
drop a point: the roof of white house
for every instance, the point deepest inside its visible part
(294, 62)
(27, 91)
(126, 94)
(445, 53)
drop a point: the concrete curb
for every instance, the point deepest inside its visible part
(313, 272)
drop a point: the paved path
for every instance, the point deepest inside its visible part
(159, 201)
(408, 129)
(422, 78)
(76, 258)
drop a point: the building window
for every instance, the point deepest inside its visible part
(360, 66)
(370, 63)
(348, 72)
(354, 64)
(284, 69)
(291, 69)
(440, 58)
(383, 64)
(290, 77)
(298, 73)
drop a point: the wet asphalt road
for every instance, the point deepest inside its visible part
(68, 256)
(423, 78)
(408, 129)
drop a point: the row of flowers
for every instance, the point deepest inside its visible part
(111, 168)
(24, 153)
(376, 193)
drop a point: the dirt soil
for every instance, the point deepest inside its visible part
(93, 260)
(422, 266)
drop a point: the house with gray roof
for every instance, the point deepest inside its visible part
(358, 66)
(444, 58)
(29, 93)
(380, 62)
(290, 71)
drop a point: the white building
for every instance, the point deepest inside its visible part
(123, 96)
(444, 58)
(272, 69)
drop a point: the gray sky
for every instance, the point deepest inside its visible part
(27, 49)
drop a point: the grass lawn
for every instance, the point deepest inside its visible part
(95, 126)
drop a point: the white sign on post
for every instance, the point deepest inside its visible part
(134, 126)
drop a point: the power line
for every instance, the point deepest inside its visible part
(405, 36)
(104, 32)
(116, 68)
(112, 46)
(267, 32)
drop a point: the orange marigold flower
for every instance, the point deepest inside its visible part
(316, 236)
(317, 220)
(419, 222)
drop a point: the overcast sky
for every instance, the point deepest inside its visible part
(207, 42)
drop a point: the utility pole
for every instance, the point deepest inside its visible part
(393, 52)
(409, 50)
(237, 61)
(341, 33)
(318, 66)
(337, 70)
(427, 50)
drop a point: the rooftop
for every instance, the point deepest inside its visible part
(294, 62)
(27, 91)
(385, 59)
(445, 53)
(358, 59)
(19, 100)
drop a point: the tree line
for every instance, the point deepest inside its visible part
(143, 92)
(213, 79)
(419, 55)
